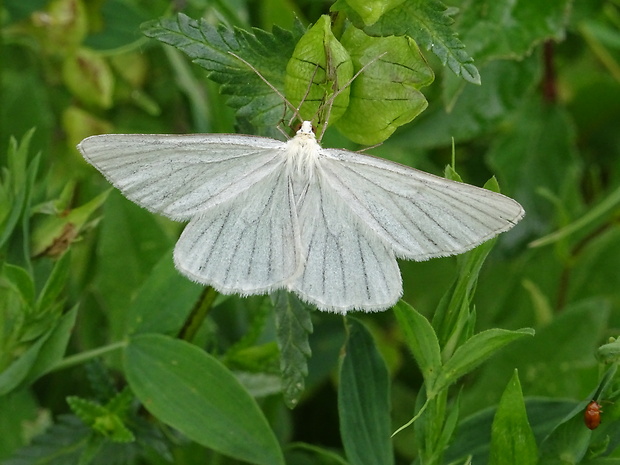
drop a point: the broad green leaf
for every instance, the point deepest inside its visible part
(421, 340)
(319, 68)
(539, 151)
(512, 440)
(506, 29)
(131, 242)
(568, 368)
(364, 400)
(475, 351)
(119, 27)
(208, 47)
(568, 442)
(509, 29)
(429, 23)
(371, 10)
(163, 301)
(190, 390)
(293, 327)
(473, 436)
(479, 109)
(386, 94)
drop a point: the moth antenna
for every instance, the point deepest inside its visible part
(303, 99)
(331, 100)
(271, 86)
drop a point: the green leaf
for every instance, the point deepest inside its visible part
(15, 184)
(453, 314)
(473, 352)
(429, 23)
(55, 284)
(539, 151)
(319, 68)
(89, 78)
(509, 29)
(569, 440)
(208, 47)
(293, 327)
(364, 400)
(421, 340)
(512, 439)
(386, 94)
(131, 242)
(54, 346)
(301, 453)
(190, 390)
(163, 301)
(370, 11)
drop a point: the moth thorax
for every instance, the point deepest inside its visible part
(302, 153)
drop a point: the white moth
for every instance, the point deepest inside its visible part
(327, 224)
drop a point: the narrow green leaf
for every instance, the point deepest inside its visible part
(193, 392)
(320, 67)
(512, 439)
(55, 283)
(364, 400)
(421, 340)
(14, 185)
(293, 327)
(54, 346)
(208, 47)
(475, 351)
(386, 94)
(163, 301)
(429, 23)
(17, 371)
(453, 311)
(20, 282)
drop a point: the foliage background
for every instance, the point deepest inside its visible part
(544, 121)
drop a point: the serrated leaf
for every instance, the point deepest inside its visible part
(512, 439)
(386, 94)
(318, 71)
(208, 47)
(190, 390)
(510, 29)
(293, 327)
(364, 400)
(429, 23)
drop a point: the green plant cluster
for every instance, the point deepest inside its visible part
(109, 356)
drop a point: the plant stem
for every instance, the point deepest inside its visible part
(82, 357)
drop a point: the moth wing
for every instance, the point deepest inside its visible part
(181, 175)
(346, 265)
(420, 215)
(249, 244)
